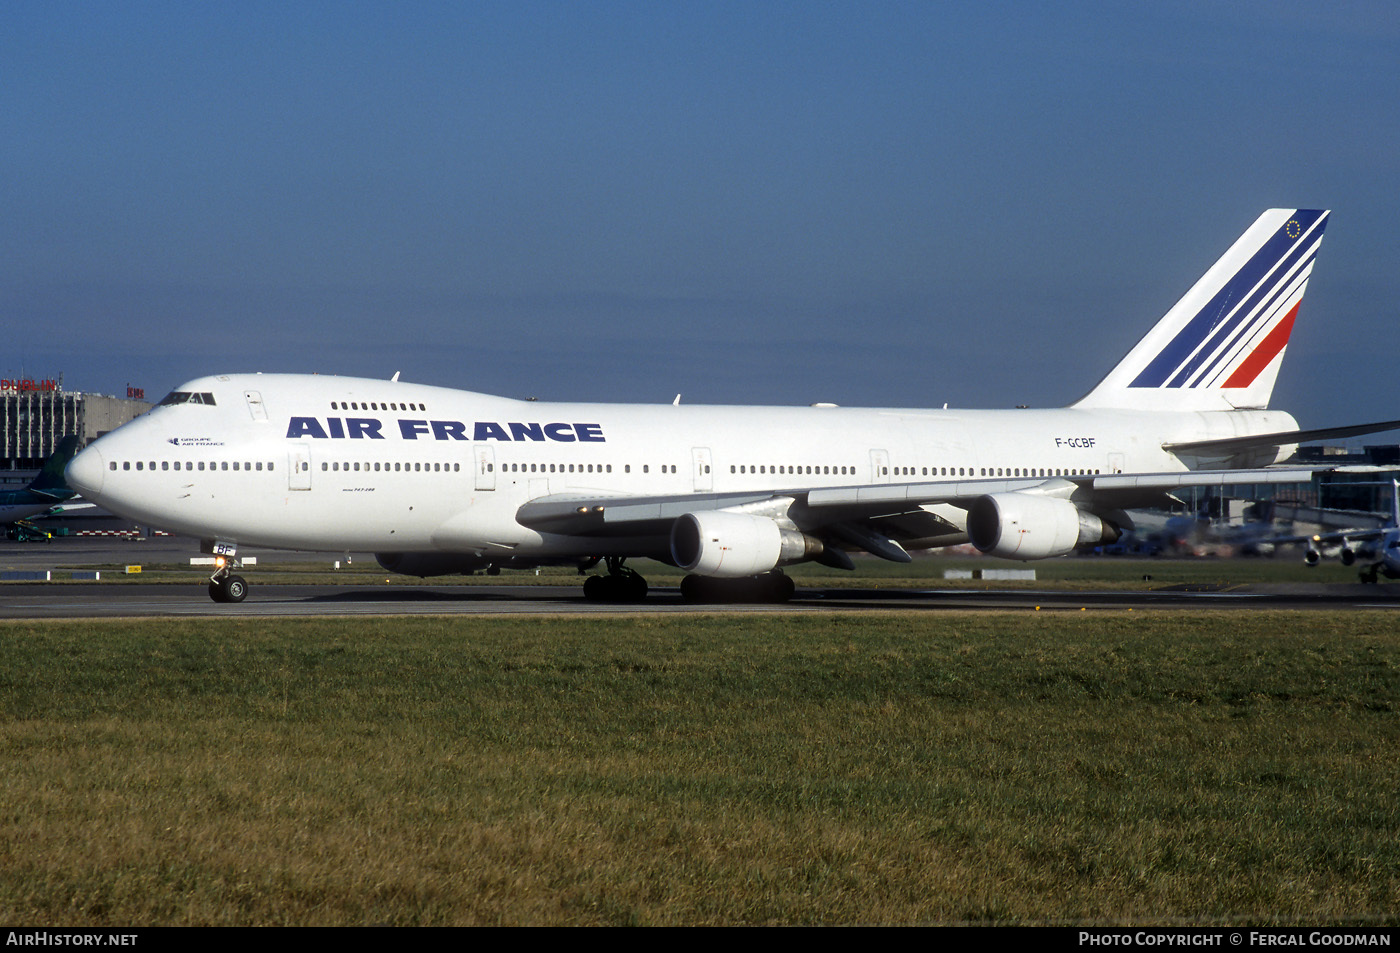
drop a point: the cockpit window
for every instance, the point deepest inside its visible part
(187, 397)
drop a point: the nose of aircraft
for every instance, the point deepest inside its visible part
(85, 472)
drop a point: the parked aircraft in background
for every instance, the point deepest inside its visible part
(438, 481)
(1380, 546)
(46, 491)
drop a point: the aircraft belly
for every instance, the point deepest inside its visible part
(320, 519)
(488, 525)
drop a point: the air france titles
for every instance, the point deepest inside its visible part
(371, 428)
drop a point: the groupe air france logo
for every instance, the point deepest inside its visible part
(372, 428)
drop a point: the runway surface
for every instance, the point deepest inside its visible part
(115, 600)
(118, 600)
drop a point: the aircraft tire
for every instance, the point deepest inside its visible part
(615, 587)
(216, 592)
(593, 588)
(633, 587)
(235, 588)
(773, 586)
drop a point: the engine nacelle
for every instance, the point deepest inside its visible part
(1029, 526)
(431, 564)
(1311, 557)
(735, 545)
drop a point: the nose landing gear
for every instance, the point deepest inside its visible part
(230, 588)
(224, 586)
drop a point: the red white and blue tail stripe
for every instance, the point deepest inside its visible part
(1221, 345)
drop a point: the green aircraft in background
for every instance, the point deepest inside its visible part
(47, 490)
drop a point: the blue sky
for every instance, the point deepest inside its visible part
(895, 204)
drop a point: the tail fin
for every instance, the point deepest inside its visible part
(1221, 345)
(50, 480)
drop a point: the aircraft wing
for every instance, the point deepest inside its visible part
(1336, 536)
(69, 507)
(817, 508)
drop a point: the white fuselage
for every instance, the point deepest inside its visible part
(335, 464)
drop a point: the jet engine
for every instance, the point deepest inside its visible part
(1028, 526)
(735, 545)
(431, 564)
(1311, 557)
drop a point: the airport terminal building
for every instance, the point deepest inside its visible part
(36, 414)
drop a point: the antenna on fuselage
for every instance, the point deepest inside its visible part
(395, 378)
(677, 401)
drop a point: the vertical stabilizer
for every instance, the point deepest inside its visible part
(50, 481)
(1221, 345)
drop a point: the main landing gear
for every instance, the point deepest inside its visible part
(774, 586)
(625, 585)
(1372, 573)
(619, 585)
(224, 586)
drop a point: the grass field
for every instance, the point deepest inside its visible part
(843, 768)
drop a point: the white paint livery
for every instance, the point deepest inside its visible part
(438, 480)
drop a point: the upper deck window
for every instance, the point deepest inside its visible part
(187, 397)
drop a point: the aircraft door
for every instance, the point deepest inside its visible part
(255, 405)
(700, 464)
(879, 466)
(299, 459)
(1116, 462)
(485, 458)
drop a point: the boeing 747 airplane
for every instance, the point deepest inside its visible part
(439, 481)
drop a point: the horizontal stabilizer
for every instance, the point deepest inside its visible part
(1281, 439)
